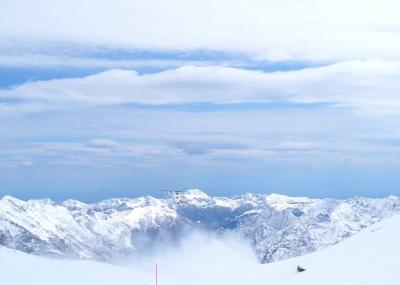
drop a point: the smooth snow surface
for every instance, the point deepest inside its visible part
(368, 258)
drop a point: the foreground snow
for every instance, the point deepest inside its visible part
(19, 268)
(368, 258)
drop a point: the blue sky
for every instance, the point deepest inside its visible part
(128, 101)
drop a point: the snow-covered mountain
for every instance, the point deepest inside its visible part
(369, 258)
(277, 226)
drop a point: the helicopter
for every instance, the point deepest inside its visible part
(176, 196)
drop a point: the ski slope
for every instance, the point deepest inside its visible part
(371, 257)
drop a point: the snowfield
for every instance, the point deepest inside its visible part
(370, 257)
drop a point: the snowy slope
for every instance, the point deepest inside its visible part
(371, 257)
(368, 258)
(18, 268)
(276, 226)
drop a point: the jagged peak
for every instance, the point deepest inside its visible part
(392, 197)
(9, 198)
(74, 204)
(122, 204)
(195, 194)
(41, 201)
(280, 198)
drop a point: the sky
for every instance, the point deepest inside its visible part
(102, 100)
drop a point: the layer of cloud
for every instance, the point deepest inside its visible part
(272, 30)
(111, 151)
(370, 87)
(51, 61)
(190, 261)
(194, 152)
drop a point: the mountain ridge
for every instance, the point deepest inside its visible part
(276, 226)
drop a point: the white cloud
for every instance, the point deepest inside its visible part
(100, 152)
(370, 87)
(42, 60)
(96, 132)
(154, 150)
(274, 30)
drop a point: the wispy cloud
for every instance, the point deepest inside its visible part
(369, 87)
(272, 30)
(177, 150)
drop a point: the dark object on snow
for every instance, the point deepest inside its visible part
(300, 269)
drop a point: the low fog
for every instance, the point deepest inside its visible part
(200, 258)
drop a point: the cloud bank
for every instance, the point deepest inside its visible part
(369, 87)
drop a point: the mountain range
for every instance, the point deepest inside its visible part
(277, 226)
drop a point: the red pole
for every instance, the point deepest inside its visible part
(156, 274)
